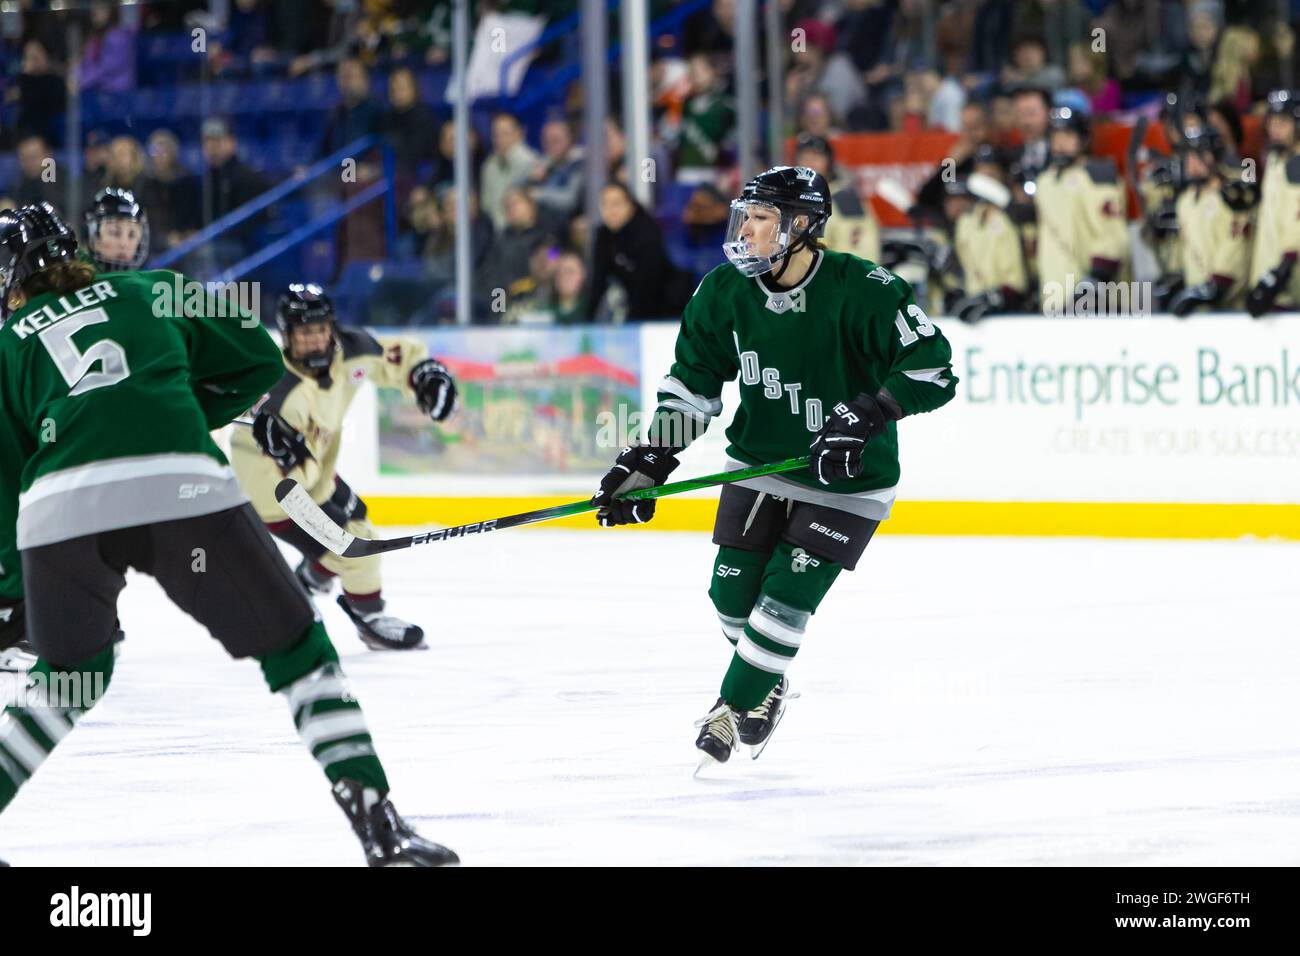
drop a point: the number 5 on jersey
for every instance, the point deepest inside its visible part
(74, 365)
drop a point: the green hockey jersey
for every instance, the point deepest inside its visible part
(849, 327)
(107, 398)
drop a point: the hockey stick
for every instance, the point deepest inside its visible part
(308, 515)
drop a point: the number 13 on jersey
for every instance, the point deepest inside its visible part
(924, 327)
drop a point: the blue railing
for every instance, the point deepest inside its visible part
(329, 164)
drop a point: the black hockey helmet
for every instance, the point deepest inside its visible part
(32, 238)
(1204, 138)
(791, 192)
(305, 304)
(1067, 117)
(111, 203)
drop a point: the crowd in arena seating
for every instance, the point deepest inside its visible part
(988, 71)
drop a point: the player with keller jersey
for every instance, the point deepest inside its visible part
(108, 392)
(117, 240)
(297, 434)
(831, 350)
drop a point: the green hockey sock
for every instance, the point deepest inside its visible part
(794, 583)
(327, 716)
(52, 702)
(737, 578)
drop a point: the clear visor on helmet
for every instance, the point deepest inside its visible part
(758, 235)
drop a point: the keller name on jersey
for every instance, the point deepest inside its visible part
(61, 308)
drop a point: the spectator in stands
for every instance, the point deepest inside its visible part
(1145, 40)
(1236, 56)
(853, 226)
(1088, 73)
(864, 28)
(615, 150)
(509, 164)
(433, 214)
(409, 125)
(563, 299)
(40, 95)
(444, 162)
(1029, 66)
(708, 123)
(629, 250)
(108, 59)
(232, 183)
(909, 113)
(705, 217)
(1204, 19)
(126, 169)
(37, 173)
(820, 69)
(529, 294)
(712, 30)
(250, 36)
(975, 132)
(174, 204)
(1033, 106)
(816, 118)
(556, 180)
(507, 267)
(1003, 129)
(357, 114)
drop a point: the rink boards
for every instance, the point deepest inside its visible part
(1149, 428)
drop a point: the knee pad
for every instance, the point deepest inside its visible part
(737, 579)
(798, 578)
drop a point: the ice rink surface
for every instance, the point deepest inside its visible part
(965, 701)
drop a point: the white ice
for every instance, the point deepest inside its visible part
(965, 701)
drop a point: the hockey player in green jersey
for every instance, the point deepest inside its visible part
(109, 388)
(117, 240)
(830, 350)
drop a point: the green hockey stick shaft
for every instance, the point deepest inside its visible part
(308, 515)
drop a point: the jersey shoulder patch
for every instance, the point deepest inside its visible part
(1102, 169)
(356, 343)
(280, 393)
(1293, 169)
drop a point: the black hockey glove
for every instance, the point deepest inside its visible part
(344, 505)
(1261, 298)
(280, 441)
(1166, 287)
(837, 449)
(13, 623)
(975, 307)
(639, 466)
(1193, 297)
(435, 389)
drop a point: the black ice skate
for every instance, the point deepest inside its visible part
(756, 727)
(718, 736)
(313, 580)
(385, 837)
(379, 632)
